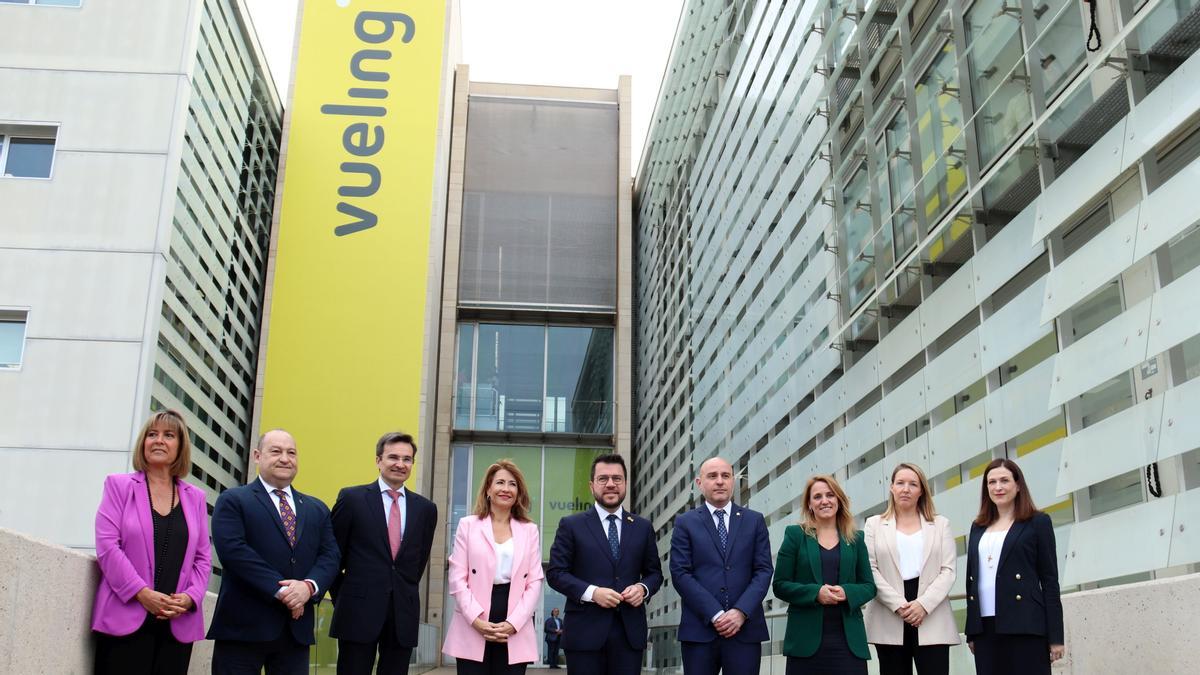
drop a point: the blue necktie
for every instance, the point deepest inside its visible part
(722, 533)
(613, 542)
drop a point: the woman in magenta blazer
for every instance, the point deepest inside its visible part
(153, 550)
(496, 579)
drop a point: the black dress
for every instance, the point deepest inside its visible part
(833, 657)
(153, 649)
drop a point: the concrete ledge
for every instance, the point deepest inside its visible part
(46, 595)
(1148, 627)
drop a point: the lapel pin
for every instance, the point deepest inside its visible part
(629, 518)
(738, 514)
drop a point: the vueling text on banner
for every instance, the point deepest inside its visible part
(344, 348)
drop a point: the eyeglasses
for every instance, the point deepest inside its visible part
(605, 480)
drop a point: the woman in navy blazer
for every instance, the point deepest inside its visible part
(153, 551)
(1014, 612)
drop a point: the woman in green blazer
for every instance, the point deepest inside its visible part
(824, 574)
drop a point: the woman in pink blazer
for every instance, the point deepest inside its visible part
(496, 579)
(153, 550)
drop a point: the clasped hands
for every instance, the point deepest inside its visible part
(729, 622)
(294, 594)
(607, 598)
(913, 613)
(493, 632)
(831, 595)
(164, 606)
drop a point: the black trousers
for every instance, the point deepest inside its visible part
(495, 654)
(899, 659)
(281, 656)
(150, 650)
(1000, 654)
(552, 653)
(617, 657)
(356, 658)
(721, 655)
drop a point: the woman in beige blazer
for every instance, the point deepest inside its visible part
(913, 559)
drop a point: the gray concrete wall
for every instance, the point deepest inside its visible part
(46, 594)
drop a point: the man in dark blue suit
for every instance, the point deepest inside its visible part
(279, 556)
(721, 567)
(553, 630)
(385, 533)
(606, 562)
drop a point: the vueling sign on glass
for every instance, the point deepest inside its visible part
(347, 310)
(363, 139)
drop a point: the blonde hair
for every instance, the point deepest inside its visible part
(924, 502)
(845, 519)
(171, 421)
(520, 507)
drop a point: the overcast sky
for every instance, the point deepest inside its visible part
(580, 43)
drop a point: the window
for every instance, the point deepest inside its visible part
(26, 151)
(48, 3)
(12, 337)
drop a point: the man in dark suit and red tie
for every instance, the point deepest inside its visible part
(721, 567)
(278, 554)
(385, 533)
(606, 562)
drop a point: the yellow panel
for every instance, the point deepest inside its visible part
(1046, 439)
(344, 350)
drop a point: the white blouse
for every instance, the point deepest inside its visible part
(990, 545)
(504, 561)
(911, 548)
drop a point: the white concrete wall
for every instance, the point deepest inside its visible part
(46, 595)
(84, 251)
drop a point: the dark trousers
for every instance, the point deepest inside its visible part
(617, 657)
(722, 655)
(356, 658)
(495, 654)
(899, 659)
(1000, 654)
(552, 653)
(150, 650)
(281, 656)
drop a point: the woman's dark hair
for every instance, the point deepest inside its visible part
(1023, 508)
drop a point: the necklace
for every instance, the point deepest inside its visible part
(162, 550)
(994, 546)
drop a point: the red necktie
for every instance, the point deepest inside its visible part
(394, 533)
(288, 516)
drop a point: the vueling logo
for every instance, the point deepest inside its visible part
(362, 139)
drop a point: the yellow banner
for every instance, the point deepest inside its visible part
(347, 312)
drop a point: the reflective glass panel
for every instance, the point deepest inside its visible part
(508, 380)
(12, 341)
(939, 127)
(579, 382)
(857, 227)
(900, 176)
(998, 76)
(540, 203)
(29, 157)
(464, 385)
(1061, 43)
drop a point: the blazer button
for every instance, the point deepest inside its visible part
(727, 568)
(1018, 577)
(1018, 597)
(472, 571)
(970, 578)
(293, 561)
(526, 575)
(970, 597)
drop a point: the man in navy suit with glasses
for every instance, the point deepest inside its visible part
(605, 562)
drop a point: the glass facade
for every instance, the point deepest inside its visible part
(539, 204)
(534, 378)
(979, 196)
(211, 314)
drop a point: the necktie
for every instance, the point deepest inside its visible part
(722, 533)
(288, 516)
(394, 533)
(613, 542)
